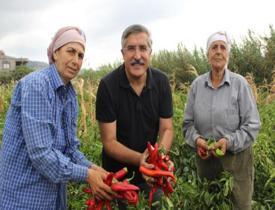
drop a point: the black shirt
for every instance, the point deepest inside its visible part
(137, 117)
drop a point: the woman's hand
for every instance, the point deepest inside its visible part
(96, 167)
(202, 148)
(100, 190)
(200, 142)
(221, 144)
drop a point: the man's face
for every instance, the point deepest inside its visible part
(136, 54)
(68, 60)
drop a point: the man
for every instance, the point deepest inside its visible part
(39, 152)
(134, 106)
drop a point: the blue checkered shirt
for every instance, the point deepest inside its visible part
(39, 153)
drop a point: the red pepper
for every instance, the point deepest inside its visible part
(87, 190)
(99, 205)
(160, 172)
(203, 153)
(153, 152)
(167, 188)
(91, 207)
(160, 181)
(151, 195)
(109, 179)
(108, 205)
(124, 191)
(90, 202)
(121, 173)
(163, 165)
(156, 173)
(150, 148)
(119, 186)
(125, 181)
(131, 197)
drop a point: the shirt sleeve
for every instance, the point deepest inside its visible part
(78, 157)
(249, 127)
(104, 105)
(37, 125)
(189, 131)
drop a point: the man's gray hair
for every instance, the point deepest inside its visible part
(133, 29)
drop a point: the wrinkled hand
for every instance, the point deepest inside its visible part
(221, 144)
(202, 148)
(100, 190)
(98, 168)
(202, 143)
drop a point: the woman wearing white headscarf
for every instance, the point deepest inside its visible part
(221, 107)
(39, 153)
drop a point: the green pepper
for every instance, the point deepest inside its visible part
(219, 152)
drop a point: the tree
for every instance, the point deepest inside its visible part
(270, 53)
(249, 58)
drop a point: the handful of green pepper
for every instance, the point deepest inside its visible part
(205, 154)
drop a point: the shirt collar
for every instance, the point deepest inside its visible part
(124, 82)
(55, 77)
(57, 81)
(226, 78)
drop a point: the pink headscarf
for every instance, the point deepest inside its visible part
(64, 36)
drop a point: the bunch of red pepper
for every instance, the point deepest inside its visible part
(123, 189)
(160, 172)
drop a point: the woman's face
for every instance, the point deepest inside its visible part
(218, 55)
(68, 60)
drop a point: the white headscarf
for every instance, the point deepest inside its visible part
(219, 36)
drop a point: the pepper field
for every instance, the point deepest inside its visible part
(190, 191)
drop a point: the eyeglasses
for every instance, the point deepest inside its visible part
(141, 48)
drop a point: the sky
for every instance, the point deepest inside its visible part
(27, 27)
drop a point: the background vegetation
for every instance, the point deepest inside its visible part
(253, 58)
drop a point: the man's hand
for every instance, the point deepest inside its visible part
(100, 190)
(171, 166)
(143, 162)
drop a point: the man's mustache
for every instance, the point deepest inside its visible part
(137, 61)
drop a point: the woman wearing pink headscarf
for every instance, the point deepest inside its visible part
(221, 108)
(39, 153)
